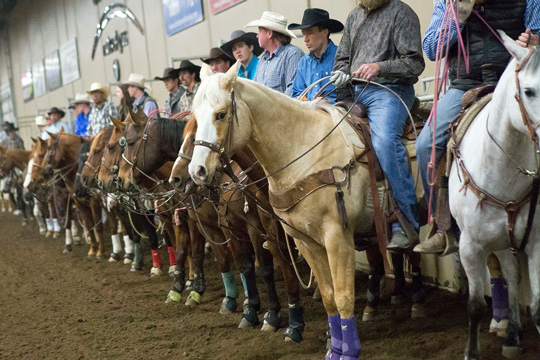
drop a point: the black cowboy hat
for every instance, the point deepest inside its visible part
(217, 53)
(317, 17)
(249, 38)
(188, 65)
(168, 73)
(55, 110)
(9, 126)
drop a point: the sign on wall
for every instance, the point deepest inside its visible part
(69, 60)
(38, 73)
(217, 6)
(52, 71)
(181, 14)
(27, 85)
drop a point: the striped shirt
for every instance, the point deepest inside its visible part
(100, 117)
(532, 21)
(277, 71)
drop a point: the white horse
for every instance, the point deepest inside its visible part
(496, 145)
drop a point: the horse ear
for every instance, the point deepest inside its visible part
(117, 123)
(140, 117)
(62, 129)
(518, 52)
(34, 140)
(51, 135)
(2, 149)
(228, 81)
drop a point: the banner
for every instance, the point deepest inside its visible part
(38, 72)
(27, 85)
(52, 71)
(181, 14)
(217, 6)
(69, 61)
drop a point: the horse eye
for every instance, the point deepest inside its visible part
(220, 115)
(529, 92)
(111, 147)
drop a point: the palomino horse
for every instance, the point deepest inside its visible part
(234, 113)
(182, 181)
(491, 203)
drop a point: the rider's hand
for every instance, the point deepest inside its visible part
(367, 71)
(339, 78)
(528, 38)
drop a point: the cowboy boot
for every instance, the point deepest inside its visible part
(399, 240)
(434, 244)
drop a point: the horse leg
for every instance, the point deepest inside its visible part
(179, 274)
(499, 297)
(473, 258)
(510, 268)
(376, 274)
(154, 246)
(317, 258)
(129, 234)
(533, 252)
(40, 213)
(224, 260)
(75, 232)
(419, 293)
(398, 295)
(169, 234)
(96, 211)
(196, 253)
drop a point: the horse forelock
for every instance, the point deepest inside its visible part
(211, 91)
(191, 126)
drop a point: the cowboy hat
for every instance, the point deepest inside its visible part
(136, 80)
(98, 87)
(168, 73)
(55, 110)
(238, 36)
(81, 99)
(272, 21)
(9, 126)
(41, 121)
(187, 65)
(217, 53)
(317, 17)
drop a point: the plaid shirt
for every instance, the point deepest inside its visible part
(277, 71)
(187, 98)
(100, 118)
(13, 143)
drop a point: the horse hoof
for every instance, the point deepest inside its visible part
(397, 299)
(173, 297)
(155, 272)
(291, 335)
(418, 311)
(228, 306)
(172, 269)
(511, 352)
(48, 234)
(193, 299)
(67, 249)
(114, 257)
(136, 267)
(128, 261)
(88, 240)
(245, 324)
(369, 314)
(56, 235)
(268, 327)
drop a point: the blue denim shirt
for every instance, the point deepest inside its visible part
(277, 71)
(250, 70)
(81, 124)
(310, 69)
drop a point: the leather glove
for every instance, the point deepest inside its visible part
(465, 8)
(339, 78)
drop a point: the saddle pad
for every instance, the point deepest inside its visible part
(350, 136)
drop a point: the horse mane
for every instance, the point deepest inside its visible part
(191, 126)
(170, 133)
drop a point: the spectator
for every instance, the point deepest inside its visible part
(137, 90)
(190, 79)
(172, 84)
(244, 47)
(82, 108)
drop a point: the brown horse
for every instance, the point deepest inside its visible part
(254, 225)
(13, 165)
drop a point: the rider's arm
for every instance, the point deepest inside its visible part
(409, 62)
(431, 37)
(343, 54)
(532, 16)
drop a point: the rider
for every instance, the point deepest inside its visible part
(13, 140)
(244, 47)
(55, 123)
(218, 61)
(137, 90)
(382, 42)
(488, 59)
(101, 111)
(278, 63)
(191, 80)
(319, 62)
(172, 84)
(82, 107)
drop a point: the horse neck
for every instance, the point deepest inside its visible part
(69, 165)
(282, 131)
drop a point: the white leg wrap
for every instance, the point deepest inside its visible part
(56, 225)
(116, 244)
(128, 245)
(50, 224)
(69, 239)
(36, 211)
(74, 228)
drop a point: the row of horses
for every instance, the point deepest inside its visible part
(216, 180)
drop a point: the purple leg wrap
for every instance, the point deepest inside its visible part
(334, 323)
(499, 292)
(351, 342)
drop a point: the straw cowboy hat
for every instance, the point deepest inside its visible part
(272, 21)
(242, 36)
(168, 73)
(136, 80)
(55, 110)
(80, 99)
(41, 121)
(217, 53)
(98, 87)
(317, 17)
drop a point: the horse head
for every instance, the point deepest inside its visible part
(522, 81)
(80, 189)
(90, 169)
(38, 174)
(180, 177)
(111, 156)
(223, 121)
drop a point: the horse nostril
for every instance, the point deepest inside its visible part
(201, 172)
(176, 181)
(100, 184)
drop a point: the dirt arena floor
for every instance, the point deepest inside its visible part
(56, 306)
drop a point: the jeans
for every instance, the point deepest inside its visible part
(447, 109)
(387, 118)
